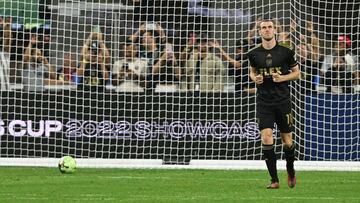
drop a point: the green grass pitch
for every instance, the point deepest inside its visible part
(23, 184)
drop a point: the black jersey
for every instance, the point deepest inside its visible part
(279, 59)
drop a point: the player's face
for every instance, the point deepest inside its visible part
(267, 30)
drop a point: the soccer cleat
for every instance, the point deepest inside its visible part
(273, 185)
(291, 177)
(291, 181)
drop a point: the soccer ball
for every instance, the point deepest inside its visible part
(67, 164)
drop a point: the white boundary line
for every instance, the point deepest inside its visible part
(194, 164)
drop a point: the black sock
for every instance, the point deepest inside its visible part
(290, 158)
(270, 159)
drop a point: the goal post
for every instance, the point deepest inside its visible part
(165, 84)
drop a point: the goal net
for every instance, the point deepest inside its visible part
(169, 80)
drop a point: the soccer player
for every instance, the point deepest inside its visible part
(272, 67)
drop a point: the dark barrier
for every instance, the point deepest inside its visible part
(174, 127)
(118, 125)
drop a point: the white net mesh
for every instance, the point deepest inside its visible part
(169, 79)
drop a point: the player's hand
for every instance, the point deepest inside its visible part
(277, 78)
(259, 79)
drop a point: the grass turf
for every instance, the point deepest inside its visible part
(22, 184)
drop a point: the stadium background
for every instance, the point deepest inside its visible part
(329, 16)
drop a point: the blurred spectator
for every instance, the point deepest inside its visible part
(309, 56)
(41, 35)
(295, 36)
(278, 26)
(95, 38)
(238, 66)
(151, 27)
(92, 72)
(68, 72)
(356, 76)
(313, 40)
(341, 49)
(309, 78)
(356, 81)
(130, 72)
(36, 72)
(204, 71)
(6, 35)
(338, 79)
(160, 57)
(285, 38)
(31, 54)
(253, 36)
(191, 46)
(5, 47)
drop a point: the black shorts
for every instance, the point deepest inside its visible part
(279, 114)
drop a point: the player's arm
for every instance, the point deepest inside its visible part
(293, 75)
(257, 78)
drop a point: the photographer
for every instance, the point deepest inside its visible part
(98, 38)
(5, 47)
(36, 72)
(30, 53)
(92, 71)
(338, 79)
(163, 72)
(129, 73)
(40, 39)
(203, 70)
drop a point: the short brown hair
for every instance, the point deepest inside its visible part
(266, 20)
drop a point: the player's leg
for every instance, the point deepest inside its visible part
(285, 124)
(266, 120)
(270, 156)
(289, 150)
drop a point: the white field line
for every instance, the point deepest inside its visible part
(182, 178)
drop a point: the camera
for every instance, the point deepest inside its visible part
(94, 47)
(125, 66)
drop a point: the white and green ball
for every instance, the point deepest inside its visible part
(67, 164)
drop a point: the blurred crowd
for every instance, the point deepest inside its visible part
(149, 62)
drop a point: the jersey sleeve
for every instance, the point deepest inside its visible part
(291, 59)
(251, 59)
